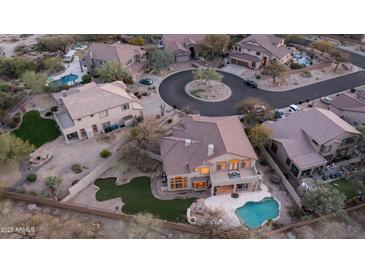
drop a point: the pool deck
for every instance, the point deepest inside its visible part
(72, 68)
(228, 205)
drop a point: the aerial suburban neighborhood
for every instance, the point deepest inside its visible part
(182, 136)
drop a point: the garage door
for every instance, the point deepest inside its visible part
(239, 62)
(181, 59)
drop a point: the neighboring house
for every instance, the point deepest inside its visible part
(209, 152)
(91, 109)
(258, 50)
(306, 141)
(183, 47)
(349, 106)
(129, 56)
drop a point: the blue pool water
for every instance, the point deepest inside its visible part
(304, 61)
(65, 80)
(254, 214)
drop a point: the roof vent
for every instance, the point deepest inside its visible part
(187, 142)
(210, 149)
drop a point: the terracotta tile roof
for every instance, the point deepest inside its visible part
(297, 131)
(92, 98)
(118, 52)
(268, 42)
(348, 101)
(175, 42)
(245, 56)
(225, 133)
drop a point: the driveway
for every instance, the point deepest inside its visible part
(172, 91)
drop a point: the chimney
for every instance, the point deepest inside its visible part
(187, 142)
(210, 149)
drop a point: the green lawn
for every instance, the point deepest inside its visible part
(36, 129)
(138, 198)
(345, 187)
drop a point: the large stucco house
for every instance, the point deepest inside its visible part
(258, 50)
(306, 141)
(183, 47)
(91, 109)
(129, 56)
(350, 106)
(209, 152)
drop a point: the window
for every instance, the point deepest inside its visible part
(347, 141)
(233, 164)
(178, 182)
(95, 129)
(236, 48)
(204, 170)
(325, 149)
(83, 133)
(239, 49)
(221, 165)
(258, 53)
(200, 184)
(274, 147)
(105, 125)
(125, 107)
(253, 64)
(245, 163)
(103, 114)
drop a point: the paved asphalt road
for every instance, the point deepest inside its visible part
(172, 91)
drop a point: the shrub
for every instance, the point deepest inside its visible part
(353, 89)
(54, 109)
(275, 179)
(48, 113)
(86, 78)
(105, 153)
(16, 118)
(31, 177)
(139, 119)
(21, 190)
(263, 162)
(76, 168)
(296, 66)
(258, 76)
(52, 182)
(306, 74)
(5, 86)
(32, 193)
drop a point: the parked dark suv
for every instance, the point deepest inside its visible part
(251, 83)
(146, 81)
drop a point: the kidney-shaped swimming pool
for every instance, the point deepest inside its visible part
(255, 214)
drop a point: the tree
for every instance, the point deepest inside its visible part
(208, 75)
(338, 57)
(214, 44)
(259, 135)
(52, 64)
(159, 59)
(214, 227)
(35, 81)
(145, 226)
(292, 38)
(86, 78)
(255, 110)
(13, 148)
(323, 46)
(274, 70)
(321, 198)
(146, 134)
(113, 71)
(55, 43)
(52, 182)
(14, 67)
(137, 41)
(361, 128)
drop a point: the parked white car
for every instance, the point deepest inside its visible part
(326, 99)
(293, 108)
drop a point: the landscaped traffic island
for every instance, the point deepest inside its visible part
(215, 91)
(37, 130)
(137, 198)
